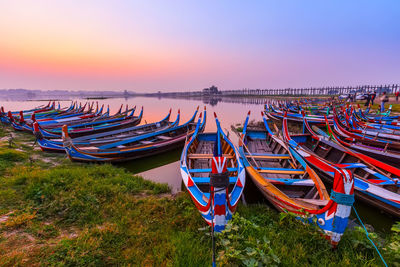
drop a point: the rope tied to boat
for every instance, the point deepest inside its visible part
(367, 234)
(342, 199)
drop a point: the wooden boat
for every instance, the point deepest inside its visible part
(213, 175)
(42, 108)
(291, 185)
(277, 114)
(72, 110)
(77, 118)
(56, 145)
(117, 121)
(132, 147)
(385, 150)
(95, 124)
(20, 124)
(376, 182)
(8, 117)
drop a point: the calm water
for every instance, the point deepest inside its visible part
(164, 168)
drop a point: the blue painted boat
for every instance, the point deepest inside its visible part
(206, 158)
(132, 147)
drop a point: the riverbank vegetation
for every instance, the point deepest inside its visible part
(53, 212)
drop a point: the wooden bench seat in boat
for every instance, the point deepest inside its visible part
(146, 142)
(267, 156)
(318, 202)
(163, 137)
(209, 170)
(206, 180)
(207, 156)
(281, 170)
(299, 182)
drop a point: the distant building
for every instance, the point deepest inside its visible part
(213, 90)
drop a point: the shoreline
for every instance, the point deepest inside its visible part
(53, 211)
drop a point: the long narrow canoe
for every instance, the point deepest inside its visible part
(132, 147)
(291, 185)
(56, 145)
(376, 182)
(206, 159)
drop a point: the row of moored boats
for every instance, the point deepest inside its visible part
(353, 151)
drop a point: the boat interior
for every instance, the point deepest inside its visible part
(273, 161)
(199, 160)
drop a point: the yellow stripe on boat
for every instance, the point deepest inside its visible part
(282, 171)
(273, 191)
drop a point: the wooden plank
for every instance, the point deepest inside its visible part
(291, 182)
(207, 156)
(281, 171)
(270, 156)
(318, 202)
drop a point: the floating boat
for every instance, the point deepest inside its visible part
(275, 113)
(110, 136)
(8, 117)
(385, 150)
(213, 175)
(98, 125)
(291, 185)
(41, 108)
(132, 147)
(20, 124)
(376, 182)
(77, 118)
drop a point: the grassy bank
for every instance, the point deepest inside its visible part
(376, 105)
(53, 212)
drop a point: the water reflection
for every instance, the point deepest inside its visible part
(229, 112)
(144, 164)
(170, 175)
(214, 100)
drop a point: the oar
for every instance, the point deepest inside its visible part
(248, 151)
(286, 147)
(355, 155)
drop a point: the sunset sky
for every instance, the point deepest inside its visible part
(146, 46)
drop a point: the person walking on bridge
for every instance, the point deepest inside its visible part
(368, 100)
(384, 98)
(373, 96)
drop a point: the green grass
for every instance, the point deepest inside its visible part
(77, 194)
(102, 215)
(258, 236)
(147, 231)
(9, 157)
(375, 106)
(3, 131)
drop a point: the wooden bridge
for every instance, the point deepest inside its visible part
(313, 90)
